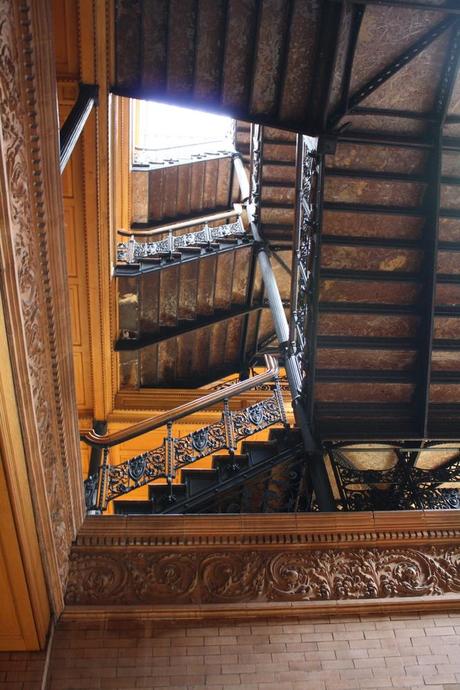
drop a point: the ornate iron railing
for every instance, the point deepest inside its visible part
(133, 251)
(305, 242)
(400, 487)
(257, 152)
(112, 481)
(155, 159)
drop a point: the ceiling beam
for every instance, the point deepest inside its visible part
(325, 59)
(449, 75)
(389, 112)
(369, 308)
(384, 276)
(384, 242)
(386, 139)
(428, 293)
(376, 175)
(364, 376)
(431, 234)
(382, 376)
(344, 207)
(284, 55)
(338, 342)
(388, 176)
(356, 20)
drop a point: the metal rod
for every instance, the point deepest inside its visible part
(75, 121)
(242, 177)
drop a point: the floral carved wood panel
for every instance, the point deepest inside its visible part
(145, 576)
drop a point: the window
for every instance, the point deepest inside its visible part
(166, 135)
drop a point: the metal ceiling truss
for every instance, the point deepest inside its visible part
(431, 233)
(356, 20)
(428, 276)
(390, 70)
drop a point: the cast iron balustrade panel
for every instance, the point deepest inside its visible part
(401, 487)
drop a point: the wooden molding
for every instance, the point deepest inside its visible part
(395, 527)
(129, 401)
(34, 281)
(95, 65)
(184, 566)
(270, 610)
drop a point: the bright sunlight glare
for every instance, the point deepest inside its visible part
(166, 131)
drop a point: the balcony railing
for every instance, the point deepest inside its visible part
(304, 251)
(113, 481)
(133, 251)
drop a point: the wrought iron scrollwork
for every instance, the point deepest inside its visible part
(400, 487)
(133, 251)
(113, 481)
(304, 252)
(256, 169)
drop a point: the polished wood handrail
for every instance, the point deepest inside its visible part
(109, 440)
(172, 227)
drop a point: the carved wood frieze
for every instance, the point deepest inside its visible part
(191, 564)
(144, 576)
(34, 279)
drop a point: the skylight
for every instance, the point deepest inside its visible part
(167, 135)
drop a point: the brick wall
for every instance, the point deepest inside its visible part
(330, 654)
(21, 670)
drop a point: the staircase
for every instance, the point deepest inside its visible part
(253, 60)
(267, 476)
(277, 198)
(180, 192)
(183, 325)
(278, 175)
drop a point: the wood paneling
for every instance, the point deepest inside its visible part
(24, 608)
(65, 20)
(77, 259)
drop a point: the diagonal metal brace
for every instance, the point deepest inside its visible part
(393, 68)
